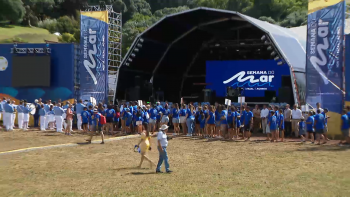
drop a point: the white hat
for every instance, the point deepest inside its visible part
(163, 127)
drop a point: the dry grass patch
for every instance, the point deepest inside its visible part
(19, 139)
(201, 168)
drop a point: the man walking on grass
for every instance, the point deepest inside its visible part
(96, 126)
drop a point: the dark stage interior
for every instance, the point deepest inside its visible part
(175, 52)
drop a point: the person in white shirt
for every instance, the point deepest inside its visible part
(263, 114)
(296, 117)
(318, 107)
(162, 148)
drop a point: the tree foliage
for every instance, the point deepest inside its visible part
(12, 10)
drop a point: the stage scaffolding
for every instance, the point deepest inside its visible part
(114, 46)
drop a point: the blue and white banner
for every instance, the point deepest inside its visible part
(254, 76)
(94, 55)
(324, 63)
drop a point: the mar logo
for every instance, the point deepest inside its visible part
(92, 53)
(250, 80)
(3, 63)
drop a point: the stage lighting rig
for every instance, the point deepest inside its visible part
(273, 53)
(136, 50)
(133, 55)
(280, 63)
(130, 60)
(277, 58)
(139, 45)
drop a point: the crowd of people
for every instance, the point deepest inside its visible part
(199, 119)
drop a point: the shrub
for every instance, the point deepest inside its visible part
(66, 38)
(46, 23)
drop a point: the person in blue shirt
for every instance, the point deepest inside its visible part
(85, 117)
(248, 122)
(277, 114)
(268, 132)
(273, 125)
(197, 119)
(302, 129)
(230, 115)
(91, 112)
(153, 119)
(201, 118)
(190, 119)
(243, 113)
(223, 122)
(326, 117)
(96, 126)
(79, 107)
(183, 118)
(110, 114)
(319, 127)
(211, 122)
(128, 120)
(218, 120)
(7, 107)
(345, 127)
(165, 117)
(309, 127)
(281, 124)
(176, 118)
(19, 114)
(42, 114)
(26, 110)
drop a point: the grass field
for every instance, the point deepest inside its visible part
(34, 138)
(28, 34)
(201, 168)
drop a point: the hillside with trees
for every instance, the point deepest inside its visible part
(63, 15)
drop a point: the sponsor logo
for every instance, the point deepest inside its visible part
(91, 64)
(242, 80)
(3, 63)
(318, 57)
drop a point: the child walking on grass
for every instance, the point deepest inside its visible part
(302, 131)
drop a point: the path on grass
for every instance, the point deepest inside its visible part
(65, 145)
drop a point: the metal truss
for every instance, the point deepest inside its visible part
(114, 46)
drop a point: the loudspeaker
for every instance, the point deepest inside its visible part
(286, 81)
(134, 94)
(285, 95)
(269, 95)
(206, 95)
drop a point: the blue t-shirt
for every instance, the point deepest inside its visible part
(190, 114)
(325, 119)
(309, 126)
(211, 119)
(281, 121)
(91, 112)
(243, 113)
(128, 117)
(96, 119)
(110, 113)
(301, 125)
(176, 113)
(230, 117)
(320, 121)
(202, 123)
(217, 115)
(248, 117)
(345, 124)
(223, 117)
(85, 116)
(273, 123)
(153, 114)
(166, 112)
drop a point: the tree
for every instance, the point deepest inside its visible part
(242, 6)
(67, 38)
(12, 10)
(295, 19)
(40, 8)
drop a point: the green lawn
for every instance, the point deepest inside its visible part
(27, 34)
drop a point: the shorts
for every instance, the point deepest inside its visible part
(152, 121)
(325, 130)
(345, 132)
(182, 119)
(165, 119)
(84, 124)
(320, 131)
(229, 125)
(109, 120)
(310, 131)
(127, 124)
(217, 123)
(138, 122)
(247, 127)
(176, 120)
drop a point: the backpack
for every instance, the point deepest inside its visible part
(102, 119)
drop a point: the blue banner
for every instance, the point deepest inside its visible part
(347, 68)
(254, 76)
(324, 63)
(94, 55)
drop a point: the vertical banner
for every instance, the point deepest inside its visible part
(347, 70)
(325, 58)
(94, 55)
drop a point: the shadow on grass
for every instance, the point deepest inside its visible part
(142, 173)
(325, 148)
